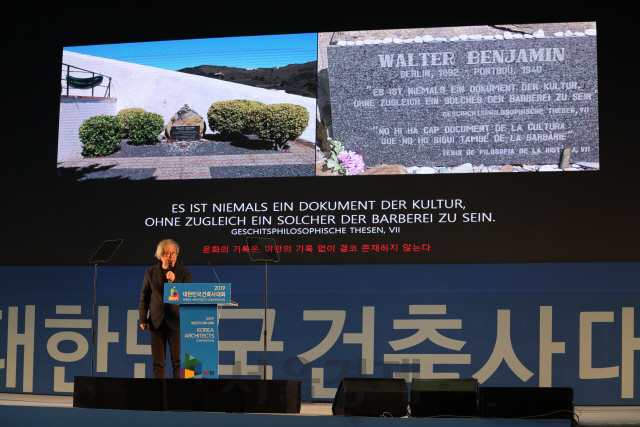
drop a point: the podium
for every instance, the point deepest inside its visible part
(199, 303)
(199, 359)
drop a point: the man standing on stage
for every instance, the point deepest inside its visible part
(165, 318)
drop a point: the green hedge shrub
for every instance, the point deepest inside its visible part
(123, 117)
(100, 136)
(143, 128)
(140, 126)
(229, 117)
(280, 122)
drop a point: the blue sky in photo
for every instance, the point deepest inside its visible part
(240, 52)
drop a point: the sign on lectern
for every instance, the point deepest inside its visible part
(198, 325)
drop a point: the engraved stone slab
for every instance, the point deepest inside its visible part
(181, 125)
(476, 101)
(185, 133)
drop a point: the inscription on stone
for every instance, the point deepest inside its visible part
(189, 124)
(480, 102)
(185, 133)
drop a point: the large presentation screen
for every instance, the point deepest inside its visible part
(416, 145)
(412, 103)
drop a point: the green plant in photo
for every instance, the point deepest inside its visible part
(232, 117)
(144, 128)
(100, 136)
(333, 162)
(124, 116)
(280, 122)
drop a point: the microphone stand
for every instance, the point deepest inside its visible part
(258, 252)
(265, 320)
(103, 254)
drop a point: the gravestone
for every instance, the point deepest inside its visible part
(185, 125)
(475, 101)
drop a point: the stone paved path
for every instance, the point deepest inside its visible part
(196, 167)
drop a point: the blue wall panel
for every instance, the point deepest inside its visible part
(494, 322)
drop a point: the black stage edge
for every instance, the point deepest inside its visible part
(206, 395)
(522, 402)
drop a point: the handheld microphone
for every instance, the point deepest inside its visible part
(170, 269)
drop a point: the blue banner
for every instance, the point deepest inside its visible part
(508, 325)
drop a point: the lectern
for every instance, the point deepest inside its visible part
(199, 359)
(199, 304)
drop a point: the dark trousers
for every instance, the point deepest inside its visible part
(159, 339)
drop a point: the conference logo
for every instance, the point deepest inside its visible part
(190, 367)
(175, 296)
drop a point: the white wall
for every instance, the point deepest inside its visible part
(164, 92)
(73, 111)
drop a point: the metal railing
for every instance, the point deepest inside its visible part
(67, 71)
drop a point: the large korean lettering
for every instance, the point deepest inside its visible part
(427, 329)
(365, 339)
(59, 381)
(503, 350)
(241, 348)
(25, 339)
(630, 343)
(547, 346)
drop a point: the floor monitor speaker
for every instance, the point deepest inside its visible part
(520, 402)
(371, 397)
(444, 397)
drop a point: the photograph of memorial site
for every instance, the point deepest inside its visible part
(189, 109)
(481, 99)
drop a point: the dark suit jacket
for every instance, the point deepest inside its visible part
(152, 297)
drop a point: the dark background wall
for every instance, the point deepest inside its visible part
(574, 218)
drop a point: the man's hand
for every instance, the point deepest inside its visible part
(144, 326)
(170, 276)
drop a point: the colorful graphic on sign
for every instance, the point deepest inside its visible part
(190, 367)
(174, 295)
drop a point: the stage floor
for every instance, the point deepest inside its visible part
(589, 415)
